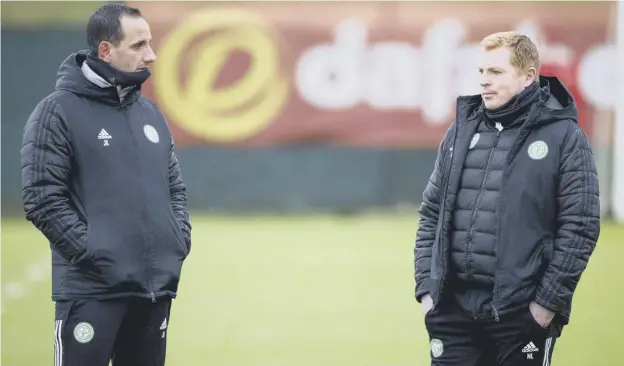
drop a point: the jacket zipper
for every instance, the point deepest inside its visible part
(499, 127)
(148, 271)
(474, 211)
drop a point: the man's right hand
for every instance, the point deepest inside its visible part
(427, 303)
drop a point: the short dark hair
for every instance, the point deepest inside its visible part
(105, 25)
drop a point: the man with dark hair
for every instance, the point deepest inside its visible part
(102, 183)
(105, 25)
(509, 218)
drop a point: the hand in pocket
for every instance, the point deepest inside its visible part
(426, 304)
(541, 315)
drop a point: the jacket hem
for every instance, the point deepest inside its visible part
(78, 296)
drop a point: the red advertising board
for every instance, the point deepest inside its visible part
(353, 74)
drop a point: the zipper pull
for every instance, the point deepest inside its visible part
(496, 318)
(499, 126)
(153, 297)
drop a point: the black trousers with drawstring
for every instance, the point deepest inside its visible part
(128, 331)
(457, 339)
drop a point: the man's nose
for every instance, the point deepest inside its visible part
(484, 82)
(150, 57)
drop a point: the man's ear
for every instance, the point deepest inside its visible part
(530, 77)
(104, 51)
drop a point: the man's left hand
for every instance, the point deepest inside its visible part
(541, 315)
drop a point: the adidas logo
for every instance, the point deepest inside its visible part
(163, 326)
(529, 348)
(103, 135)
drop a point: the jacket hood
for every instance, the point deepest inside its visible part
(70, 77)
(559, 103)
(555, 104)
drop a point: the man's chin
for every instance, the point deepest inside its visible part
(491, 104)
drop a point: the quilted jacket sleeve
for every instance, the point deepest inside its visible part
(578, 222)
(46, 169)
(428, 223)
(177, 191)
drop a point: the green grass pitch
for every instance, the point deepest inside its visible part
(299, 291)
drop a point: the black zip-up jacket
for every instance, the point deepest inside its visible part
(101, 181)
(548, 215)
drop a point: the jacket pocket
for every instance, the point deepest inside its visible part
(88, 267)
(104, 251)
(118, 251)
(85, 277)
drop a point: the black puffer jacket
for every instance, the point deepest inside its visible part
(547, 217)
(101, 181)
